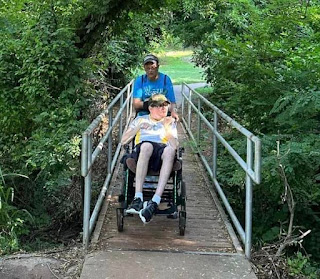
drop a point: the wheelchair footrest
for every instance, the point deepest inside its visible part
(168, 211)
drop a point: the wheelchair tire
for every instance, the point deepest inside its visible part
(183, 196)
(120, 219)
(182, 222)
(183, 189)
(131, 189)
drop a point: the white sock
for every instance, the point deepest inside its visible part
(139, 195)
(156, 199)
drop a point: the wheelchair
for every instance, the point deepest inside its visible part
(174, 194)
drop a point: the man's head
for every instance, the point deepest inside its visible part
(158, 106)
(151, 66)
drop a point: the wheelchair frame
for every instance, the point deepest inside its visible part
(175, 196)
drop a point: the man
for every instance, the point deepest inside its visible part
(156, 144)
(153, 82)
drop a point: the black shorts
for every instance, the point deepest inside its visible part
(155, 161)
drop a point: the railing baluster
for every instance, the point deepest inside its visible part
(110, 143)
(87, 194)
(189, 109)
(199, 124)
(215, 146)
(248, 225)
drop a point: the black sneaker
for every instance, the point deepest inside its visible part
(147, 213)
(135, 206)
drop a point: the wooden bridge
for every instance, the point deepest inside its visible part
(209, 249)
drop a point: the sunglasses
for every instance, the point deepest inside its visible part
(159, 106)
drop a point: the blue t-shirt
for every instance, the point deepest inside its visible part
(143, 88)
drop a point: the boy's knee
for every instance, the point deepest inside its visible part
(169, 152)
(146, 148)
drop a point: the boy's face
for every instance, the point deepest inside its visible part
(159, 112)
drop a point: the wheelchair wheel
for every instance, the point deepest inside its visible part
(183, 196)
(130, 189)
(182, 222)
(183, 189)
(120, 212)
(127, 189)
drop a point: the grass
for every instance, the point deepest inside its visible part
(207, 90)
(178, 66)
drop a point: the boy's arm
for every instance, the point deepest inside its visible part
(129, 134)
(171, 132)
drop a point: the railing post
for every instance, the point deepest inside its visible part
(199, 123)
(189, 109)
(182, 100)
(87, 191)
(121, 121)
(248, 221)
(214, 147)
(110, 143)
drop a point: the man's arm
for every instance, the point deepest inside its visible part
(172, 109)
(138, 104)
(171, 97)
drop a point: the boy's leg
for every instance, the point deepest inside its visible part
(146, 150)
(167, 157)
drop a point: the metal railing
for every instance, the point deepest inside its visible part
(123, 103)
(251, 167)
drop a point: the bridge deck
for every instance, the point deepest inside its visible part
(205, 230)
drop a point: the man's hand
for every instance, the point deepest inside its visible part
(175, 115)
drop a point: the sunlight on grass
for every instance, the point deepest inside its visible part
(178, 65)
(179, 53)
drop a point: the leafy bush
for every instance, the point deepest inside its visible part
(12, 219)
(58, 61)
(262, 59)
(300, 265)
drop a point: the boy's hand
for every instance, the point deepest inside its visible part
(168, 121)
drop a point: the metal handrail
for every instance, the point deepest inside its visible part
(252, 166)
(123, 116)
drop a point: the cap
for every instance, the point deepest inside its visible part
(158, 99)
(150, 58)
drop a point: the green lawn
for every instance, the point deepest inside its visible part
(177, 65)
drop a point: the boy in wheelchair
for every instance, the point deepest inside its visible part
(156, 142)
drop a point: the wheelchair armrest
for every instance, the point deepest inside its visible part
(126, 147)
(180, 151)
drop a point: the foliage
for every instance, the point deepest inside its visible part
(11, 219)
(262, 60)
(57, 60)
(300, 264)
